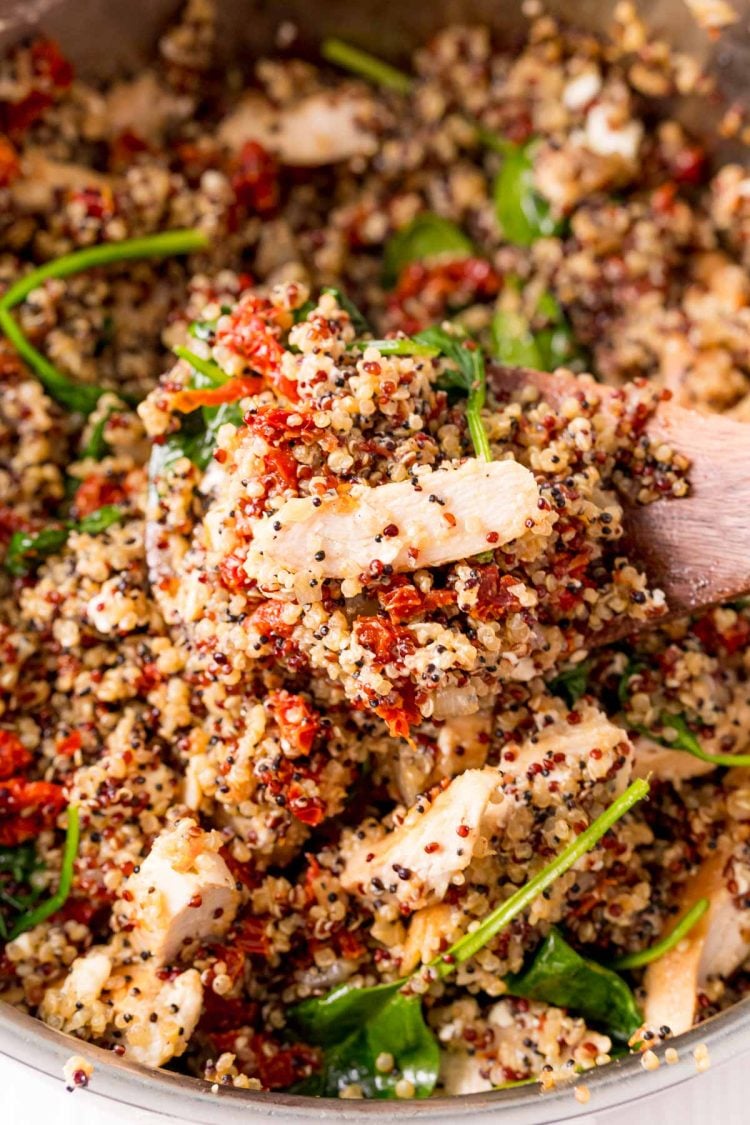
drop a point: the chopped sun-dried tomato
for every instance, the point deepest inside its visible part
(732, 638)
(26, 807)
(494, 596)
(249, 935)
(404, 602)
(14, 756)
(253, 331)
(51, 74)
(69, 744)
(388, 643)
(96, 491)
(255, 179)
(399, 717)
(298, 721)
(10, 165)
(235, 389)
(436, 288)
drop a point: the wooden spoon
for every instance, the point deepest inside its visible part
(695, 549)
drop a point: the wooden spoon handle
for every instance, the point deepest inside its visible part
(696, 549)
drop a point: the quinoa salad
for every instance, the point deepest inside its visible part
(314, 775)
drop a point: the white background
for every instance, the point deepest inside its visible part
(721, 1096)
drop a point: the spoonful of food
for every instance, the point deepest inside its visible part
(695, 549)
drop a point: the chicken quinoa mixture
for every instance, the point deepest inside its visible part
(319, 767)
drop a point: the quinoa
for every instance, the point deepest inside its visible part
(253, 733)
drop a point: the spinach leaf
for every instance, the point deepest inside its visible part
(365, 65)
(26, 549)
(426, 237)
(658, 949)
(572, 682)
(358, 319)
(560, 976)
(397, 1028)
(82, 397)
(470, 377)
(97, 446)
(513, 342)
(354, 1026)
(524, 215)
(36, 914)
(684, 739)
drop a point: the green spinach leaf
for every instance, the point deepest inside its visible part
(524, 215)
(425, 238)
(572, 683)
(27, 549)
(470, 376)
(560, 976)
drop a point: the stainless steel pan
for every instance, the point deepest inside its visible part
(105, 37)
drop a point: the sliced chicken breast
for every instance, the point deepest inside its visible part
(182, 895)
(715, 947)
(419, 859)
(431, 519)
(322, 128)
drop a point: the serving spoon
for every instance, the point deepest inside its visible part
(697, 548)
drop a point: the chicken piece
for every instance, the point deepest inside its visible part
(41, 179)
(137, 995)
(715, 947)
(72, 1005)
(462, 743)
(183, 894)
(94, 1000)
(322, 128)
(397, 524)
(419, 859)
(428, 929)
(654, 760)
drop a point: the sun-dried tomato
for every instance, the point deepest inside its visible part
(494, 596)
(51, 75)
(268, 619)
(400, 712)
(14, 756)
(10, 165)
(68, 745)
(435, 288)
(733, 638)
(388, 643)
(96, 491)
(27, 807)
(225, 1016)
(253, 332)
(404, 602)
(235, 389)
(298, 721)
(250, 936)
(255, 179)
(309, 810)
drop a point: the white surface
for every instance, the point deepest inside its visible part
(718, 1097)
